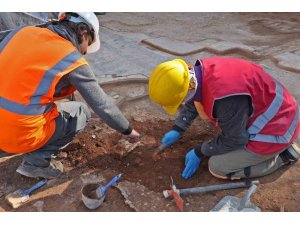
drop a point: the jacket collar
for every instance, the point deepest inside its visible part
(65, 32)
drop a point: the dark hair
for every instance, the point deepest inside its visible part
(77, 28)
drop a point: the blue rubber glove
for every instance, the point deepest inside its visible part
(170, 137)
(192, 163)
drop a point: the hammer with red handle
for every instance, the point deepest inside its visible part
(175, 193)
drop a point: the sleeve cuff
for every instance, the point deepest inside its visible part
(128, 131)
(179, 129)
(198, 151)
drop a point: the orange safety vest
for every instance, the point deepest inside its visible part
(32, 61)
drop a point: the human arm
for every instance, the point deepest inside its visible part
(86, 83)
(232, 114)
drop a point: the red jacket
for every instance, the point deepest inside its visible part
(274, 123)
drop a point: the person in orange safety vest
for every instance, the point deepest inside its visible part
(39, 65)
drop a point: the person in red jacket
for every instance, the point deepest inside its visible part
(258, 117)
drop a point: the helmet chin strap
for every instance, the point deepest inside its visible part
(191, 92)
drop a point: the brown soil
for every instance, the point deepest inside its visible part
(100, 151)
(103, 154)
(139, 165)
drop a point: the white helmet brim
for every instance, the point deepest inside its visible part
(95, 46)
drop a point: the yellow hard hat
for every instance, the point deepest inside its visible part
(169, 84)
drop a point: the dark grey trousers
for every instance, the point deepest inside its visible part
(73, 117)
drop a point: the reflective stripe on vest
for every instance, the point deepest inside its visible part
(28, 110)
(50, 74)
(264, 118)
(286, 138)
(261, 121)
(9, 37)
(35, 108)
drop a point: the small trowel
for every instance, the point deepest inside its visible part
(160, 149)
(101, 190)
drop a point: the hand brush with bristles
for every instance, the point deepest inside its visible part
(19, 197)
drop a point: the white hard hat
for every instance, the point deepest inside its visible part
(91, 20)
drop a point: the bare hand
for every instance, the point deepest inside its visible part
(134, 136)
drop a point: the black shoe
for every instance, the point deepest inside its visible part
(291, 154)
(52, 171)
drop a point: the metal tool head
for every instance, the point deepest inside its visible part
(174, 193)
(235, 204)
(160, 149)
